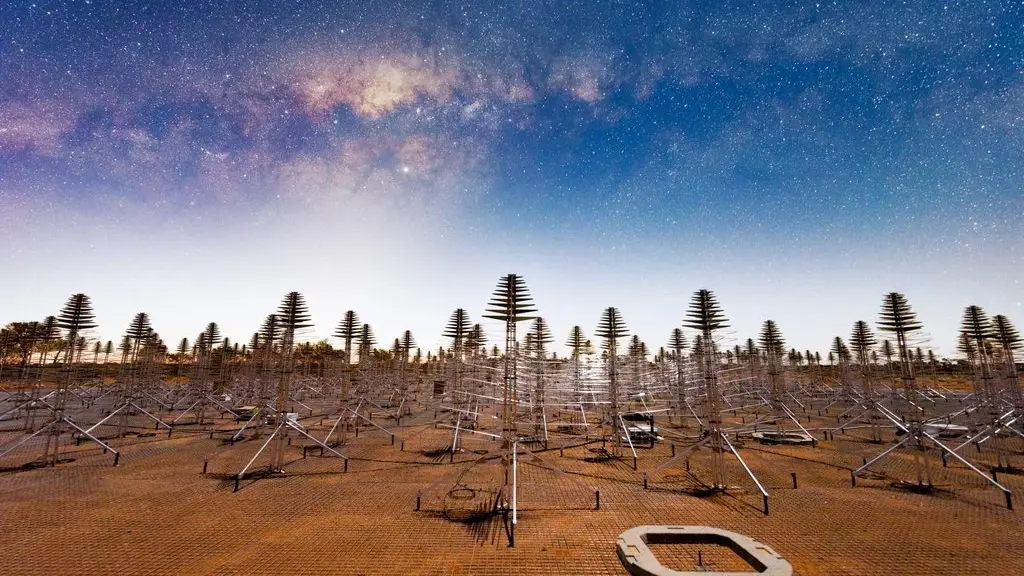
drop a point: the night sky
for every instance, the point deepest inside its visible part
(198, 160)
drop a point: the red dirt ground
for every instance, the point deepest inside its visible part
(156, 513)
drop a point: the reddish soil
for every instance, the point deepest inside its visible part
(157, 513)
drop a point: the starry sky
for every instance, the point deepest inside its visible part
(198, 160)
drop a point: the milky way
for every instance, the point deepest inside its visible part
(795, 148)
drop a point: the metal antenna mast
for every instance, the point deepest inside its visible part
(459, 331)
(511, 303)
(76, 317)
(263, 358)
(843, 357)
(677, 343)
(292, 315)
(863, 341)
(897, 318)
(137, 334)
(706, 316)
(348, 330)
(540, 337)
(978, 328)
(1009, 341)
(405, 346)
(993, 417)
(48, 332)
(577, 342)
(774, 347)
(611, 328)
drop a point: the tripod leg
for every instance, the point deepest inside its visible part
(24, 440)
(260, 451)
(293, 426)
(109, 416)
(93, 438)
(882, 455)
(154, 418)
(186, 411)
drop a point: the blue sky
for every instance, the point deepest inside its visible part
(799, 158)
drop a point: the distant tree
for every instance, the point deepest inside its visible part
(6, 343)
(23, 337)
